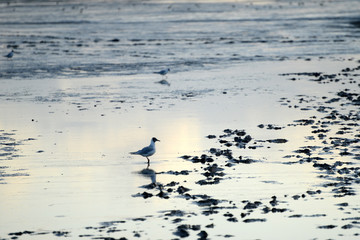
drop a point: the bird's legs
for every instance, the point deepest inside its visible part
(148, 161)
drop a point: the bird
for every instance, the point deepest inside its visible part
(10, 54)
(163, 72)
(147, 151)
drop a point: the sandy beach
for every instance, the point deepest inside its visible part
(258, 120)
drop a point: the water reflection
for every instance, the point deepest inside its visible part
(163, 82)
(149, 173)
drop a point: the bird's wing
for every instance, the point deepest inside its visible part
(142, 151)
(145, 150)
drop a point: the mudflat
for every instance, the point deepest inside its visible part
(258, 120)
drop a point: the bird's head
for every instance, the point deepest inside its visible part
(154, 139)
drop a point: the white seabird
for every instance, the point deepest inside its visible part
(147, 151)
(163, 72)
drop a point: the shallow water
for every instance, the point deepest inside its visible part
(120, 37)
(74, 104)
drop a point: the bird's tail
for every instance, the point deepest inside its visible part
(133, 152)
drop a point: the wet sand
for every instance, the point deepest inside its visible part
(250, 148)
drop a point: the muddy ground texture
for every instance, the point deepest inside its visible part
(335, 133)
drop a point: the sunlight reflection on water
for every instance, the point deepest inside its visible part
(81, 173)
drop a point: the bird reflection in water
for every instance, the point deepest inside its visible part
(150, 173)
